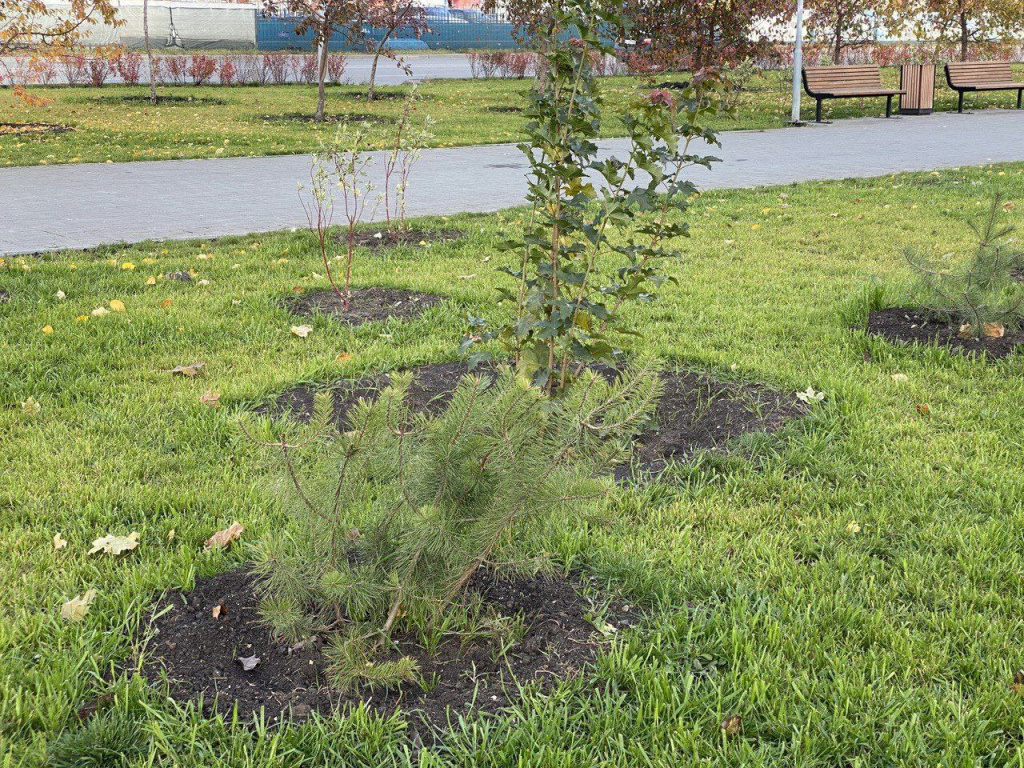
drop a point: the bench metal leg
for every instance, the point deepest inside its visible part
(817, 112)
(1020, 97)
(960, 102)
(888, 107)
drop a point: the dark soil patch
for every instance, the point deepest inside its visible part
(678, 85)
(366, 305)
(352, 119)
(162, 100)
(382, 238)
(199, 654)
(908, 326)
(696, 413)
(506, 110)
(33, 129)
(4, 297)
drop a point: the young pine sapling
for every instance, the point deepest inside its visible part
(985, 295)
(389, 520)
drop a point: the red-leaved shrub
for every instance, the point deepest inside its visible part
(73, 66)
(226, 71)
(99, 70)
(175, 69)
(307, 67)
(277, 67)
(129, 67)
(201, 68)
(336, 67)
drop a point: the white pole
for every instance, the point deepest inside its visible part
(798, 60)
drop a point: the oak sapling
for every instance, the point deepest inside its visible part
(389, 520)
(984, 294)
(588, 248)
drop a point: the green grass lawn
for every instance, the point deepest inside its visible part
(852, 590)
(273, 120)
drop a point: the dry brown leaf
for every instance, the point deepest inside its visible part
(59, 542)
(191, 370)
(993, 330)
(219, 610)
(343, 357)
(224, 537)
(731, 725)
(923, 409)
(302, 331)
(211, 399)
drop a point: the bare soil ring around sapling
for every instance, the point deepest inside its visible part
(201, 635)
(366, 305)
(902, 325)
(34, 129)
(384, 238)
(696, 413)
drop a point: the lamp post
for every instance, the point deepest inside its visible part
(798, 61)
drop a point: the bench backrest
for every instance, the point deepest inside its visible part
(967, 73)
(846, 78)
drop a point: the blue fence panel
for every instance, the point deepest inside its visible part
(448, 30)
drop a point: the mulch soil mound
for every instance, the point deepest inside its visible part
(337, 119)
(199, 654)
(4, 297)
(33, 129)
(366, 305)
(384, 239)
(696, 412)
(162, 100)
(907, 326)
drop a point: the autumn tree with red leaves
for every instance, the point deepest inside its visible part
(323, 18)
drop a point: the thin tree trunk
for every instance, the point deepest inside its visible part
(373, 69)
(964, 37)
(149, 52)
(321, 93)
(837, 50)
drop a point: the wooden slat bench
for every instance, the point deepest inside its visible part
(847, 82)
(972, 76)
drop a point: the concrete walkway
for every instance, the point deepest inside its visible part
(78, 206)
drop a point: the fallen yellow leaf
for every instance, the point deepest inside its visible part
(115, 545)
(117, 305)
(76, 608)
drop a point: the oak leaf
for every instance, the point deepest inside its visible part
(191, 370)
(224, 537)
(76, 608)
(115, 545)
